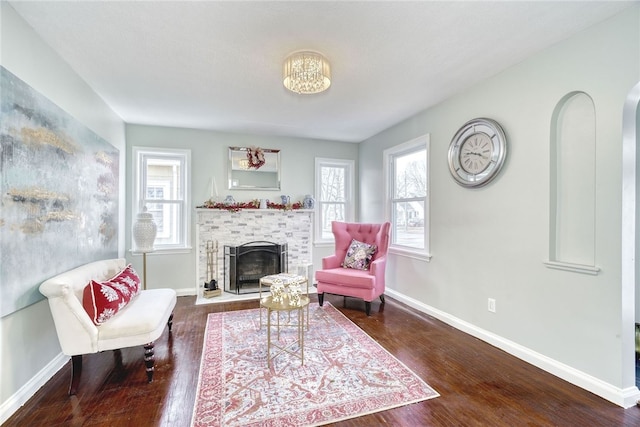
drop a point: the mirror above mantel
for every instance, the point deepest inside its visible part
(246, 173)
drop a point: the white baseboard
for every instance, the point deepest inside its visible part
(19, 398)
(622, 397)
(184, 292)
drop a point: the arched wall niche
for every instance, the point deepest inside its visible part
(573, 184)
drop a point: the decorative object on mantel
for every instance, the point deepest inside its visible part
(263, 203)
(211, 288)
(213, 190)
(285, 199)
(254, 204)
(229, 201)
(255, 157)
(308, 202)
(306, 72)
(144, 235)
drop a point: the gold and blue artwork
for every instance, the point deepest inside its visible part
(59, 193)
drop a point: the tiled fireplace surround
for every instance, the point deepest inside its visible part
(293, 227)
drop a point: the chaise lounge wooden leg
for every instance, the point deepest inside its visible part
(170, 322)
(367, 307)
(149, 360)
(382, 298)
(117, 358)
(320, 299)
(76, 371)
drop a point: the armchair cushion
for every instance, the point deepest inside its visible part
(359, 255)
(352, 277)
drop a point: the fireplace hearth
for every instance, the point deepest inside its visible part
(244, 265)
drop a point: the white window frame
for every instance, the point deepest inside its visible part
(140, 157)
(422, 142)
(349, 191)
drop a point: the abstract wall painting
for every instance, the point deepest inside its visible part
(59, 193)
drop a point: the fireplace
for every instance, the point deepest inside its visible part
(244, 265)
(293, 227)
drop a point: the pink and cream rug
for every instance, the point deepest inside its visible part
(345, 374)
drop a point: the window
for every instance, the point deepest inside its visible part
(406, 171)
(334, 195)
(162, 185)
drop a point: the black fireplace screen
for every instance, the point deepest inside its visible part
(244, 265)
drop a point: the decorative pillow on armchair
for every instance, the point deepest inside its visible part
(359, 255)
(102, 300)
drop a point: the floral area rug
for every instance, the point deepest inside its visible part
(345, 374)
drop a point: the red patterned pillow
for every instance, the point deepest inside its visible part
(127, 282)
(103, 300)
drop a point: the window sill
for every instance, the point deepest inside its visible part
(419, 255)
(574, 268)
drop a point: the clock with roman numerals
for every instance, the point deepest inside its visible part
(477, 152)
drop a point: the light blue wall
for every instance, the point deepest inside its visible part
(209, 154)
(491, 242)
(29, 341)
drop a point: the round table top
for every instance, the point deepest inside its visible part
(284, 278)
(284, 305)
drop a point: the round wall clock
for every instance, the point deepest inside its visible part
(477, 152)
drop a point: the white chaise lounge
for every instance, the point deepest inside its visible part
(140, 322)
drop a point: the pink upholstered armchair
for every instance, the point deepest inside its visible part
(352, 282)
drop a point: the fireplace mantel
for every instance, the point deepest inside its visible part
(294, 227)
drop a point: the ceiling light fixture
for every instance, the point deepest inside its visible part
(306, 72)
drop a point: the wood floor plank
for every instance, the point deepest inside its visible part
(479, 384)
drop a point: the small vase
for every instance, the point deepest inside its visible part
(308, 202)
(144, 231)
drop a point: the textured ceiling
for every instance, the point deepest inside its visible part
(218, 65)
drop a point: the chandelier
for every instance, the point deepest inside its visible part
(306, 72)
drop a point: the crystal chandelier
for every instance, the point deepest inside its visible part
(306, 72)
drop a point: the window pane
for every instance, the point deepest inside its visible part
(333, 184)
(408, 224)
(410, 178)
(164, 173)
(168, 219)
(331, 212)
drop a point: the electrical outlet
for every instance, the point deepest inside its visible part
(491, 305)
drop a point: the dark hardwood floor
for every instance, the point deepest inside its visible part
(479, 384)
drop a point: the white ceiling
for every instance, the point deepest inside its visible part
(218, 65)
